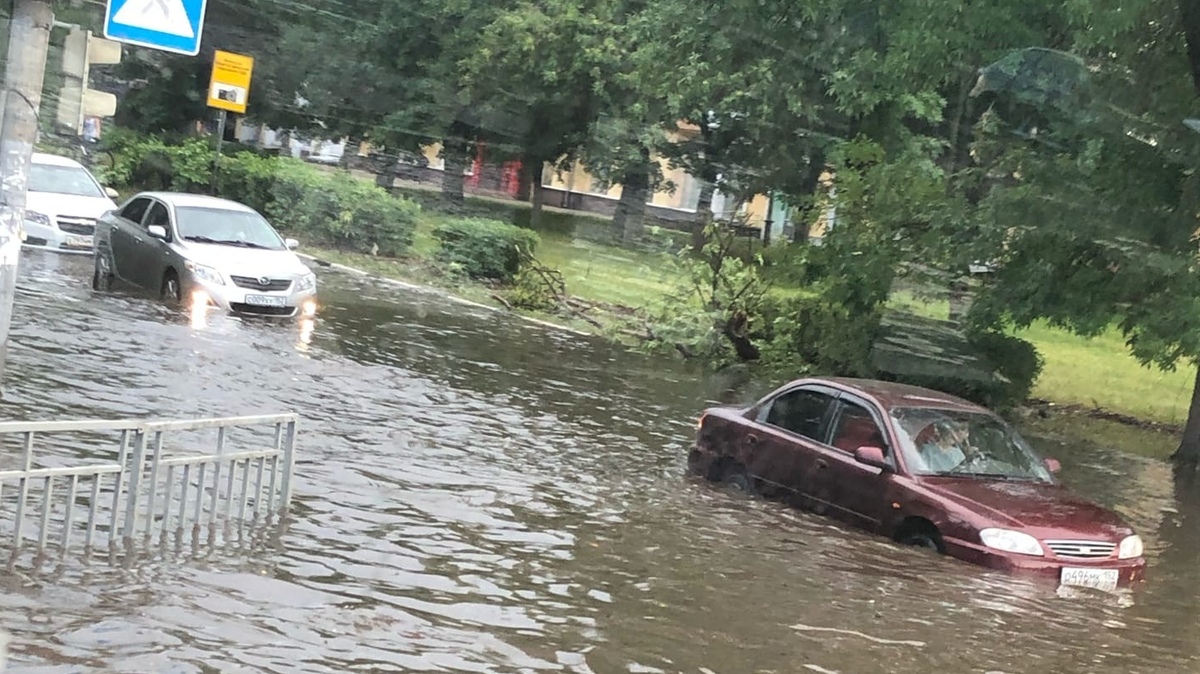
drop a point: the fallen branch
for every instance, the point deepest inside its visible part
(501, 300)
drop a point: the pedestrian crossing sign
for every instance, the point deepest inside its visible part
(169, 25)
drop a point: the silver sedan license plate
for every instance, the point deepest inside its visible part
(1099, 579)
(79, 242)
(266, 300)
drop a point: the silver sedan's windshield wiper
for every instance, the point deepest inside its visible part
(224, 242)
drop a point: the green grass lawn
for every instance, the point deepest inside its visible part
(601, 273)
(1097, 372)
(1100, 372)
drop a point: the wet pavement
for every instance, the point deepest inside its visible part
(478, 494)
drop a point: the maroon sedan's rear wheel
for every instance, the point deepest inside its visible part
(735, 476)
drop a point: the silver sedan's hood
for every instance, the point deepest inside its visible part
(252, 262)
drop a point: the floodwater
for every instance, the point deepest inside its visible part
(477, 494)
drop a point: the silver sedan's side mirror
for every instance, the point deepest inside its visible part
(291, 244)
(112, 194)
(157, 231)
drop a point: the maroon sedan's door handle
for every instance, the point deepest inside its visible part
(752, 439)
(822, 464)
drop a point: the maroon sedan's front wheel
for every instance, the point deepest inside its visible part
(920, 540)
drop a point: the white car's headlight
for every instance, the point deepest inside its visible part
(37, 218)
(205, 273)
(1012, 541)
(306, 283)
(1131, 548)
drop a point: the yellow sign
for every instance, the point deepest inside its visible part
(230, 86)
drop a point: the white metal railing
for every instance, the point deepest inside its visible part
(160, 477)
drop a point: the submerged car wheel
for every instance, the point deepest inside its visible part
(101, 278)
(170, 287)
(920, 534)
(735, 476)
(920, 541)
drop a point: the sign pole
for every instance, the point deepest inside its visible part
(222, 120)
(228, 90)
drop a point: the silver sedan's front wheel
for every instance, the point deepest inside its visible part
(171, 289)
(101, 274)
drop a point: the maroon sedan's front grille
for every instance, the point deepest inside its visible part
(1082, 549)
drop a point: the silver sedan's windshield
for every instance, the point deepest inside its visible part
(950, 442)
(226, 227)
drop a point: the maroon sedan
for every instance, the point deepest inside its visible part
(923, 468)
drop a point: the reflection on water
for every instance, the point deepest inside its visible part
(475, 494)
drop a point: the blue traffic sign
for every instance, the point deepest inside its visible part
(170, 25)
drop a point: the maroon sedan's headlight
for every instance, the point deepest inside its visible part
(1131, 548)
(1008, 540)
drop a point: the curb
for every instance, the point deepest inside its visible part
(450, 296)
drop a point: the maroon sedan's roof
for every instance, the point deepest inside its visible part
(892, 394)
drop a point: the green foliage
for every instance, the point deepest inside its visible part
(484, 249)
(152, 163)
(537, 289)
(716, 310)
(1015, 360)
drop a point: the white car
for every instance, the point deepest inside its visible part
(63, 203)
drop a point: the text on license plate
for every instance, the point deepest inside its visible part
(266, 300)
(1100, 579)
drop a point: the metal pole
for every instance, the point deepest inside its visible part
(28, 44)
(222, 120)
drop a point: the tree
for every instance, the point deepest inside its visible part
(533, 72)
(1091, 211)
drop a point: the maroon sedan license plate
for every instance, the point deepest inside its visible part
(1099, 579)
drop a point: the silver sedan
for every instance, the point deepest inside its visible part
(203, 251)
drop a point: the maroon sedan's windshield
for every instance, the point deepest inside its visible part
(950, 442)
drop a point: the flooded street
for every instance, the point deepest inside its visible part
(477, 494)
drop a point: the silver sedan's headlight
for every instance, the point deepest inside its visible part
(37, 218)
(205, 273)
(306, 283)
(1131, 548)
(1012, 541)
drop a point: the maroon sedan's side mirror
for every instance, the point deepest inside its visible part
(1053, 466)
(871, 456)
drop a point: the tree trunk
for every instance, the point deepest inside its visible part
(960, 299)
(525, 180)
(386, 177)
(1190, 15)
(704, 215)
(810, 183)
(631, 210)
(452, 180)
(538, 200)
(1188, 454)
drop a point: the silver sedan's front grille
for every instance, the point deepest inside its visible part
(76, 225)
(264, 284)
(1082, 549)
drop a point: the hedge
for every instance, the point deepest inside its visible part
(485, 249)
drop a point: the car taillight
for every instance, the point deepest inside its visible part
(700, 421)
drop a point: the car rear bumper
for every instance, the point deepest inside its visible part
(1130, 571)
